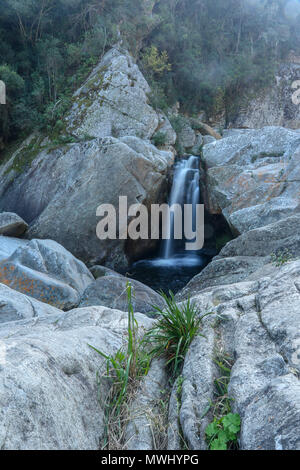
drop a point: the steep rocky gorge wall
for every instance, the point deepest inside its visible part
(276, 105)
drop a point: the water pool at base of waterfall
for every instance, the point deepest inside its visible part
(177, 266)
(169, 274)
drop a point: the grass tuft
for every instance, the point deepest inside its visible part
(173, 333)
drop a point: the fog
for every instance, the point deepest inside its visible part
(292, 9)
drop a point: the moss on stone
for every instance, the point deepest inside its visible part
(25, 156)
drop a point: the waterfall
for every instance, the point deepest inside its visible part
(185, 190)
(175, 266)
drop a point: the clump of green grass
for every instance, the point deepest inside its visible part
(173, 333)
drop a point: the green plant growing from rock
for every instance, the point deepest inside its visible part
(222, 432)
(173, 333)
(124, 370)
(281, 257)
(159, 139)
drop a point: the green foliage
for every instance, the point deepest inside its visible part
(203, 54)
(222, 433)
(25, 156)
(281, 257)
(218, 50)
(125, 366)
(173, 333)
(14, 88)
(156, 62)
(157, 97)
(178, 122)
(159, 139)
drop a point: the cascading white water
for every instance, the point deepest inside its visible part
(176, 266)
(185, 190)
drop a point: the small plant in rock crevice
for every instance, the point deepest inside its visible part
(170, 337)
(281, 257)
(222, 432)
(159, 139)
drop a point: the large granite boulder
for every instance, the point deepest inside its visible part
(12, 225)
(222, 271)
(49, 392)
(16, 306)
(110, 291)
(113, 101)
(60, 192)
(250, 256)
(252, 291)
(252, 178)
(280, 236)
(166, 130)
(102, 271)
(186, 136)
(44, 270)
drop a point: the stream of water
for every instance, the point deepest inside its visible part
(175, 266)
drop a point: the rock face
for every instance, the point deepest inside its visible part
(113, 101)
(252, 291)
(45, 271)
(101, 271)
(258, 325)
(61, 191)
(49, 397)
(12, 225)
(15, 306)
(187, 136)
(252, 178)
(145, 430)
(274, 106)
(196, 150)
(165, 128)
(110, 291)
(57, 188)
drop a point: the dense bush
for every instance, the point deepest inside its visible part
(198, 52)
